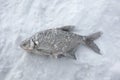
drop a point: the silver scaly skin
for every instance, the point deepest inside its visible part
(59, 42)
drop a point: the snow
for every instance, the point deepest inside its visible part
(20, 19)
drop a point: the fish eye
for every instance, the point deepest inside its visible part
(34, 42)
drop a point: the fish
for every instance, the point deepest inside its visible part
(59, 42)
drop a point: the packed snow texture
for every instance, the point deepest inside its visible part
(19, 19)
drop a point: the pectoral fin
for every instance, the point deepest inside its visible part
(58, 55)
(46, 52)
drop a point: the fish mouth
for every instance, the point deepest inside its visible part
(21, 45)
(27, 50)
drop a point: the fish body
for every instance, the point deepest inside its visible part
(58, 42)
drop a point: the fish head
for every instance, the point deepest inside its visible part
(27, 45)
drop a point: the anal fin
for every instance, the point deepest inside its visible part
(72, 53)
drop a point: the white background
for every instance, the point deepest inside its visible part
(20, 19)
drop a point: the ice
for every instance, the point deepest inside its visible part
(19, 19)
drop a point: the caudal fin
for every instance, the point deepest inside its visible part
(89, 41)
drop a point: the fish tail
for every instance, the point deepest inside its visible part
(89, 41)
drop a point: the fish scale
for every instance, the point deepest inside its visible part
(59, 41)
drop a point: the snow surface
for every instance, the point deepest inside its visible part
(20, 19)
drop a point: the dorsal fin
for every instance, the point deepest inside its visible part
(67, 28)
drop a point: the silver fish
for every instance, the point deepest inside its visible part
(59, 42)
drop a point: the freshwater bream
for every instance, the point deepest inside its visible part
(59, 42)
